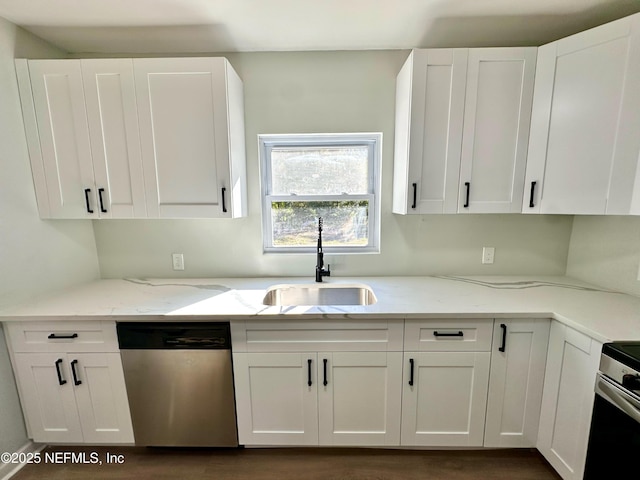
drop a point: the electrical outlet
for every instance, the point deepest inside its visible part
(487, 254)
(178, 261)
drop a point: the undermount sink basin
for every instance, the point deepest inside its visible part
(319, 294)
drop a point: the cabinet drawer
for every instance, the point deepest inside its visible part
(448, 335)
(313, 336)
(70, 336)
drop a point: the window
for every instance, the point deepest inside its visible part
(336, 177)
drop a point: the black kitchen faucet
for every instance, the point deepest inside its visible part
(320, 271)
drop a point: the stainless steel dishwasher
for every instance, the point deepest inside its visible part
(180, 383)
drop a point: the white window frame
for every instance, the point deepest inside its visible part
(372, 140)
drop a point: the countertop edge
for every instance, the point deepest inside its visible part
(599, 313)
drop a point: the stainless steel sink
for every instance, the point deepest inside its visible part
(319, 294)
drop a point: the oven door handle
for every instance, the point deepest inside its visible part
(618, 397)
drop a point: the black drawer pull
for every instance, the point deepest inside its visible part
(466, 203)
(324, 369)
(224, 205)
(503, 347)
(86, 199)
(533, 188)
(459, 333)
(309, 382)
(411, 363)
(55, 336)
(415, 195)
(75, 374)
(100, 192)
(61, 381)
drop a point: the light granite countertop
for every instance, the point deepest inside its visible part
(602, 314)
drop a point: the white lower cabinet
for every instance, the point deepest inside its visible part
(359, 398)
(350, 383)
(326, 398)
(518, 359)
(446, 376)
(74, 398)
(567, 402)
(444, 398)
(70, 379)
(276, 398)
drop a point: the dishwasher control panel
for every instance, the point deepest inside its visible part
(174, 335)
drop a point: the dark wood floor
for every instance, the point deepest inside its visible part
(295, 464)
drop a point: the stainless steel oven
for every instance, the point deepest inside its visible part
(614, 440)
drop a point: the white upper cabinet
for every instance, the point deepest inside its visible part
(428, 134)
(61, 158)
(82, 128)
(584, 144)
(191, 118)
(115, 143)
(496, 129)
(143, 138)
(462, 124)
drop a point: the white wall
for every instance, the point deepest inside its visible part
(606, 251)
(35, 256)
(298, 92)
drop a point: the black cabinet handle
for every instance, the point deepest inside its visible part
(468, 185)
(61, 381)
(411, 363)
(54, 336)
(415, 195)
(504, 337)
(533, 188)
(100, 192)
(459, 333)
(324, 369)
(224, 205)
(75, 374)
(87, 191)
(309, 382)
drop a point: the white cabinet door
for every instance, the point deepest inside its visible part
(428, 133)
(444, 398)
(361, 400)
(276, 398)
(48, 397)
(115, 142)
(497, 113)
(192, 136)
(515, 383)
(123, 138)
(101, 397)
(63, 133)
(74, 398)
(567, 401)
(83, 139)
(462, 127)
(585, 121)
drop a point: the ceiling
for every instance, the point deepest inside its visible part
(171, 26)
